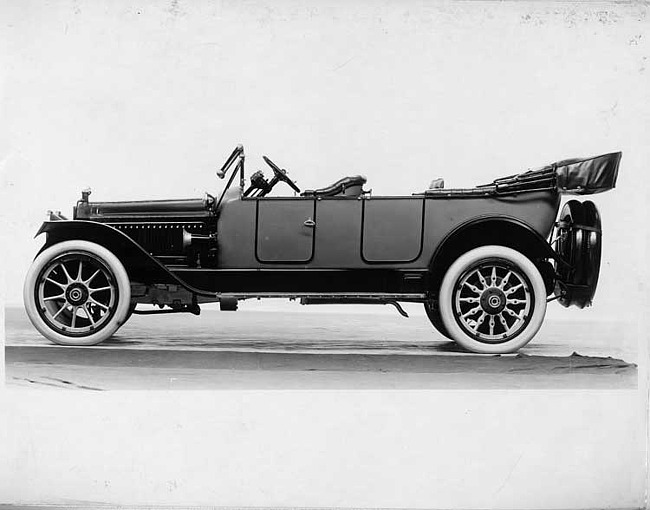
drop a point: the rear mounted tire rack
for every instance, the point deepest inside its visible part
(578, 239)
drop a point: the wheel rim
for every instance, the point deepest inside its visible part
(76, 294)
(493, 301)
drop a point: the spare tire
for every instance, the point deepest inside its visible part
(579, 245)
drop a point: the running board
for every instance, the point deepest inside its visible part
(415, 297)
(353, 301)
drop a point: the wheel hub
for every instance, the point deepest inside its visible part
(77, 294)
(493, 301)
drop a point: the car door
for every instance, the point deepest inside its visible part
(392, 229)
(285, 229)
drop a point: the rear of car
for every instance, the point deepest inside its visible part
(495, 279)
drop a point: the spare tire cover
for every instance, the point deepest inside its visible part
(579, 244)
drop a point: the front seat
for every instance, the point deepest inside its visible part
(351, 186)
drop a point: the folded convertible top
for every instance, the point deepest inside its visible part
(579, 176)
(587, 176)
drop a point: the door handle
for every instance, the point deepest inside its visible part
(310, 223)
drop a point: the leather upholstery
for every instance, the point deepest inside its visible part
(348, 186)
(438, 183)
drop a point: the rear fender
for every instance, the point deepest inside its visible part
(502, 231)
(139, 264)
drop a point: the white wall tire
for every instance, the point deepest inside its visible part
(492, 300)
(433, 313)
(77, 293)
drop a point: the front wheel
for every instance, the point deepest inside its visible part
(492, 300)
(77, 293)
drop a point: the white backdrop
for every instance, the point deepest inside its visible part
(146, 99)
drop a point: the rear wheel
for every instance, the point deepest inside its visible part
(77, 293)
(492, 300)
(433, 313)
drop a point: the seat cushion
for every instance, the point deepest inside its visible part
(438, 183)
(351, 186)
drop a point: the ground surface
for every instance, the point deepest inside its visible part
(298, 348)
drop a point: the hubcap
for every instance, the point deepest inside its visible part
(493, 301)
(76, 294)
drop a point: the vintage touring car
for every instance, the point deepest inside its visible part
(484, 261)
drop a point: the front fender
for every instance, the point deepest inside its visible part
(140, 265)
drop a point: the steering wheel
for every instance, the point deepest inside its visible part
(281, 175)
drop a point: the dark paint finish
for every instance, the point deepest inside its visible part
(285, 230)
(138, 210)
(535, 210)
(330, 242)
(140, 265)
(392, 229)
(348, 230)
(338, 232)
(479, 259)
(310, 281)
(354, 245)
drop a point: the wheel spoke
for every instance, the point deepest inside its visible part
(504, 282)
(74, 316)
(471, 312)
(60, 310)
(480, 321)
(90, 317)
(514, 289)
(504, 323)
(80, 270)
(50, 298)
(61, 285)
(473, 288)
(469, 299)
(492, 325)
(493, 276)
(87, 282)
(482, 279)
(98, 304)
(100, 288)
(517, 301)
(67, 275)
(513, 314)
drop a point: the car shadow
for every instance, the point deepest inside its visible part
(254, 360)
(224, 355)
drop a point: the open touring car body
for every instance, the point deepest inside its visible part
(483, 260)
